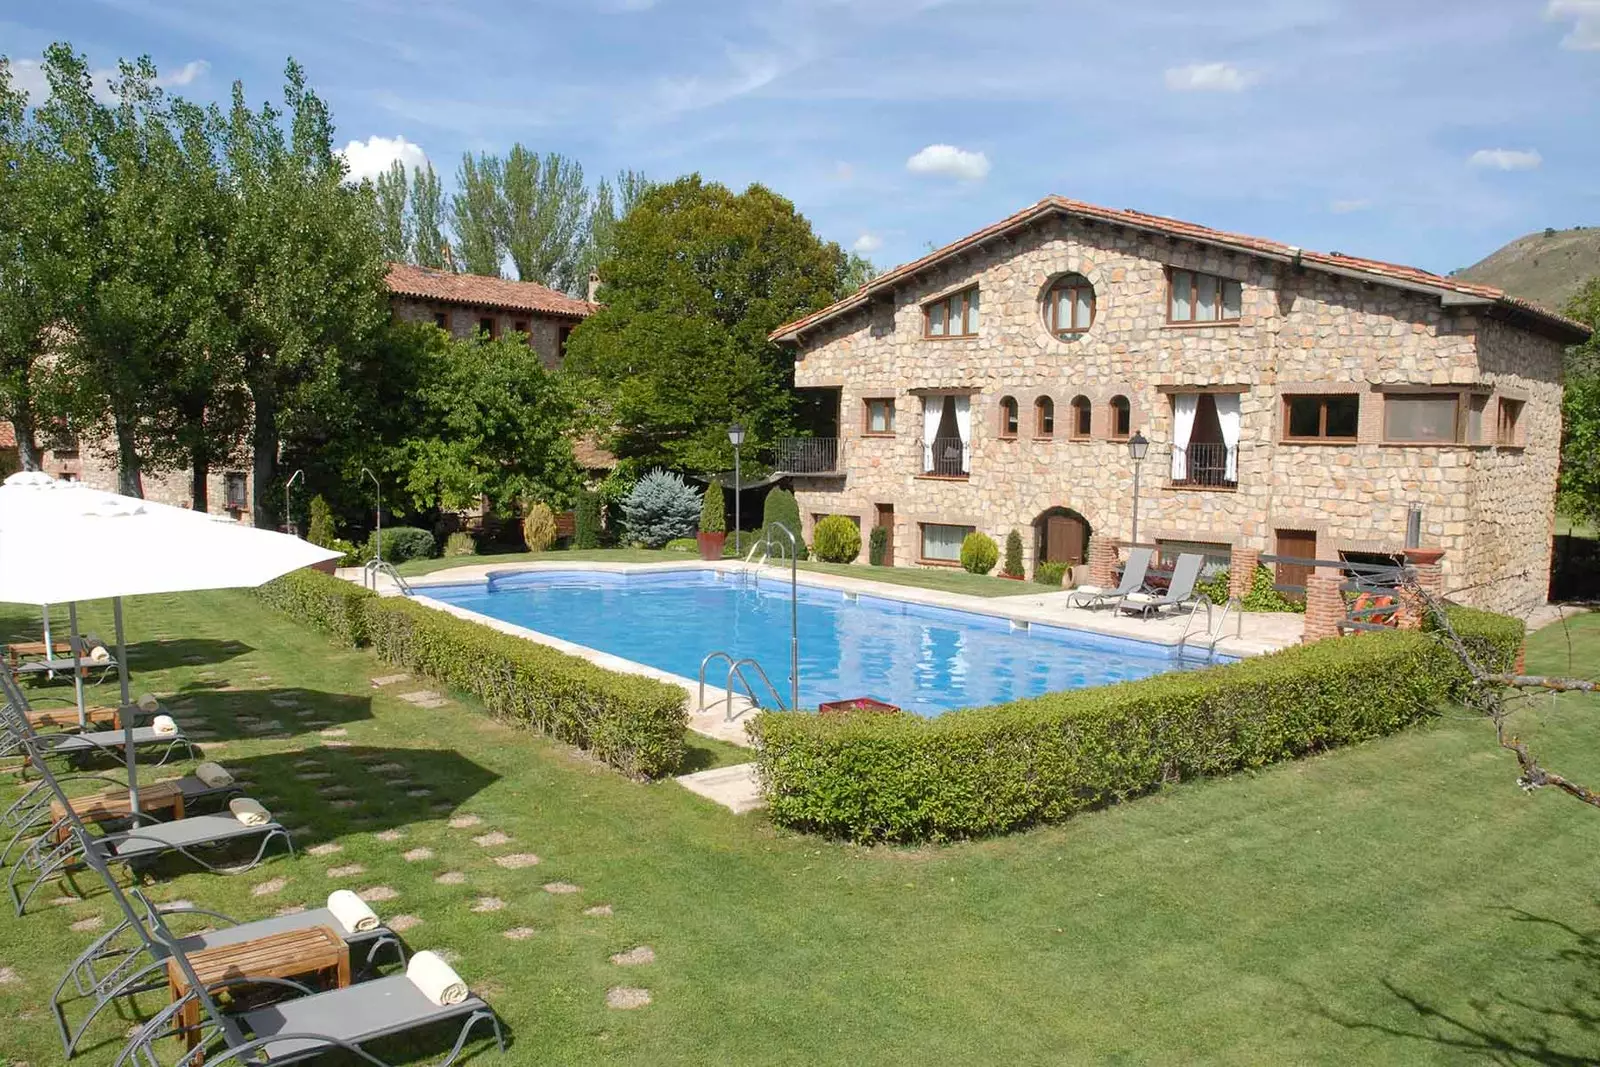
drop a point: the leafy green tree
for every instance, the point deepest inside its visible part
(543, 203)
(1579, 492)
(427, 218)
(699, 276)
(394, 221)
(610, 202)
(475, 215)
(858, 271)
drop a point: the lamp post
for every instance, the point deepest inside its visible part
(736, 438)
(377, 542)
(1138, 445)
(288, 519)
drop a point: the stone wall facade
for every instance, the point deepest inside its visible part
(93, 464)
(1300, 331)
(546, 333)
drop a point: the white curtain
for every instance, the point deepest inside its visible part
(964, 428)
(1184, 405)
(932, 408)
(1228, 416)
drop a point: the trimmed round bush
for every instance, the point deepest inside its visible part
(979, 553)
(660, 507)
(402, 543)
(539, 527)
(460, 543)
(836, 540)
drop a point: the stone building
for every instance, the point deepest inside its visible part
(466, 304)
(1297, 403)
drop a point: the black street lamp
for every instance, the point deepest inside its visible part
(1138, 445)
(736, 438)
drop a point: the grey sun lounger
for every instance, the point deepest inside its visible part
(63, 666)
(1133, 576)
(1180, 591)
(31, 811)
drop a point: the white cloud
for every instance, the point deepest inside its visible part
(185, 74)
(751, 71)
(370, 158)
(1345, 207)
(950, 162)
(1208, 78)
(1506, 159)
(28, 76)
(1585, 18)
(867, 244)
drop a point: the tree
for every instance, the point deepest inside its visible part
(698, 278)
(427, 218)
(608, 204)
(394, 221)
(475, 215)
(543, 203)
(858, 271)
(1579, 488)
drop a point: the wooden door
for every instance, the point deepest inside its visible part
(885, 519)
(1301, 544)
(1064, 539)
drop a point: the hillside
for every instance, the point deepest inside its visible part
(1545, 267)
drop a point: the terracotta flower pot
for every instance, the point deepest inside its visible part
(710, 545)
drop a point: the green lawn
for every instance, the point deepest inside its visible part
(947, 579)
(1397, 902)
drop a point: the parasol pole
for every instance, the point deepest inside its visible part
(127, 717)
(77, 663)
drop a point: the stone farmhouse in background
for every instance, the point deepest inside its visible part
(463, 304)
(1297, 403)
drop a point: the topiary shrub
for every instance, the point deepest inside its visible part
(877, 546)
(327, 604)
(836, 540)
(321, 530)
(586, 526)
(1013, 565)
(460, 543)
(781, 506)
(1050, 572)
(660, 507)
(539, 527)
(713, 518)
(979, 553)
(401, 543)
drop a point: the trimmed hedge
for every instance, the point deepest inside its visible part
(327, 604)
(402, 543)
(991, 770)
(636, 724)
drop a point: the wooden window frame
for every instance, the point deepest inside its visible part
(1508, 435)
(866, 416)
(494, 326)
(1043, 407)
(229, 480)
(1194, 302)
(1010, 418)
(1322, 437)
(1071, 284)
(441, 319)
(1073, 433)
(1111, 427)
(1457, 396)
(521, 326)
(922, 543)
(968, 297)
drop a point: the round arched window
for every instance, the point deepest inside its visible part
(1069, 305)
(1008, 416)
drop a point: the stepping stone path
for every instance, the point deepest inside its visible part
(377, 894)
(625, 999)
(285, 702)
(318, 723)
(634, 957)
(314, 776)
(443, 807)
(451, 878)
(305, 713)
(335, 790)
(271, 886)
(517, 860)
(491, 839)
(335, 744)
(599, 911)
(174, 905)
(419, 792)
(328, 849)
(93, 922)
(486, 904)
(389, 679)
(199, 659)
(387, 768)
(9, 976)
(335, 731)
(401, 923)
(417, 854)
(562, 888)
(519, 933)
(290, 909)
(389, 837)
(262, 678)
(342, 805)
(424, 698)
(347, 871)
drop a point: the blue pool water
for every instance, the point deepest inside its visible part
(924, 659)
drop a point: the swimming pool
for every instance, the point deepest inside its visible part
(924, 659)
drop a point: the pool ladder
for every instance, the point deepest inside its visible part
(375, 567)
(1211, 635)
(736, 670)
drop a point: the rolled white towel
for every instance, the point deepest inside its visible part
(213, 774)
(249, 812)
(99, 654)
(437, 980)
(164, 725)
(148, 702)
(352, 912)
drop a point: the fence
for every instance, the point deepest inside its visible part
(1205, 464)
(1378, 583)
(806, 455)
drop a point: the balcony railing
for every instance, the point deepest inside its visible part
(1207, 465)
(946, 459)
(807, 455)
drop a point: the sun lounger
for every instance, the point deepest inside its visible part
(63, 666)
(32, 814)
(1133, 577)
(1179, 591)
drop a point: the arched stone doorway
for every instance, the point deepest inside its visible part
(1060, 535)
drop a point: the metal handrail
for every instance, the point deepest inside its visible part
(704, 664)
(374, 567)
(794, 599)
(736, 670)
(1222, 623)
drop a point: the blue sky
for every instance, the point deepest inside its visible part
(1423, 131)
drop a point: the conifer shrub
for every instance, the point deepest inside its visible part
(979, 553)
(660, 507)
(836, 540)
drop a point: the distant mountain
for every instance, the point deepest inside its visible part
(1546, 267)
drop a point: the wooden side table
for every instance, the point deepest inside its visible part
(98, 715)
(112, 802)
(316, 950)
(16, 650)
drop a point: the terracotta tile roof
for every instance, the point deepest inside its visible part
(8, 435)
(479, 290)
(591, 455)
(1367, 269)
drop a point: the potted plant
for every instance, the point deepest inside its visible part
(713, 523)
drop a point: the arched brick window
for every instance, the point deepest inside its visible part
(1044, 417)
(1121, 417)
(1082, 418)
(1008, 416)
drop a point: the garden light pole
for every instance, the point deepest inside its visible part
(288, 519)
(1138, 445)
(736, 438)
(377, 542)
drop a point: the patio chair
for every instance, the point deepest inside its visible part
(1179, 591)
(1133, 578)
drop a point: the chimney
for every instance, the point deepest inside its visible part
(594, 287)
